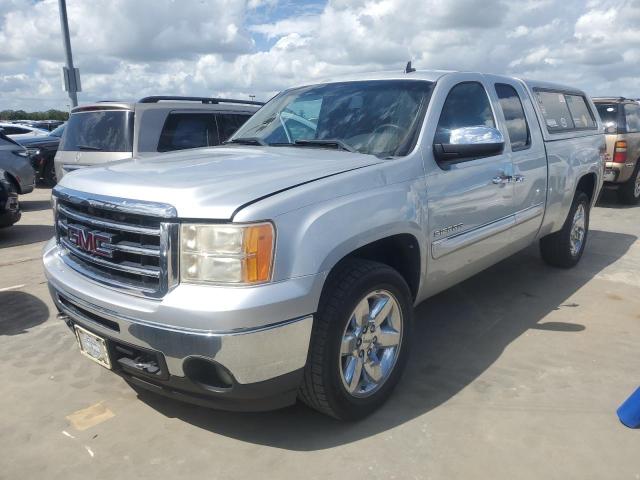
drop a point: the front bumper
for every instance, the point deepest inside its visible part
(264, 353)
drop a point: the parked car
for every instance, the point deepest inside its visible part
(48, 125)
(287, 263)
(110, 131)
(9, 205)
(42, 151)
(18, 131)
(621, 118)
(14, 160)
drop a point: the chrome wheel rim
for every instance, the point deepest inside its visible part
(370, 343)
(636, 190)
(578, 229)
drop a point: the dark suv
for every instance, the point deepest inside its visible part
(621, 118)
(42, 150)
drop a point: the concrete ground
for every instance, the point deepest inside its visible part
(514, 374)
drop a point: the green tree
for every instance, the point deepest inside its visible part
(51, 114)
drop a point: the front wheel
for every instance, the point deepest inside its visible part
(564, 248)
(360, 340)
(12, 211)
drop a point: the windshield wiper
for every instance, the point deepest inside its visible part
(89, 147)
(248, 141)
(326, 142)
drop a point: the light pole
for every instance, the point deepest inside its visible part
(71, 76)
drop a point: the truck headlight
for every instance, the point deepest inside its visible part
(226, 254)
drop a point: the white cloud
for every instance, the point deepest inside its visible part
(128, 49)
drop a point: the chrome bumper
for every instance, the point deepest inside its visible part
(252, 353)
(251, 356)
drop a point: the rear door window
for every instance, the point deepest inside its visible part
(632, 116)
(229, 123)
(100, 131)
(517, 126)
(188, 130)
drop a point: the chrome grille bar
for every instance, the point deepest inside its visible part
(124, 244)
(106, 224)
(147, 272)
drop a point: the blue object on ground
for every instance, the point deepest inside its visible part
(629, 411)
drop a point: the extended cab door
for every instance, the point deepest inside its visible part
(524, 146)
(469, 201)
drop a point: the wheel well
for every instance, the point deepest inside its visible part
(400, 252)
(14, 182)
(587, 184)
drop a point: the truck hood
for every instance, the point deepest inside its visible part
(214, 183)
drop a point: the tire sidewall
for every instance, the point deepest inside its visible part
(581, 198)
(346, 405)
(632, 181)
(626, 193)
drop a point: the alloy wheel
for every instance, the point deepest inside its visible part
(370, 343)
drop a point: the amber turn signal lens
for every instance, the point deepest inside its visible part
(258, 250)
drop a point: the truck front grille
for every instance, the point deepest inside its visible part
(124, 244)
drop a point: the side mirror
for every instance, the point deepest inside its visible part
(470, 142)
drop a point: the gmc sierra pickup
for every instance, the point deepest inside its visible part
(286, 263)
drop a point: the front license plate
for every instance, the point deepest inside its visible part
(93, 346)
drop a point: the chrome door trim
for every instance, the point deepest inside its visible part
(448, 245)
(529, 213)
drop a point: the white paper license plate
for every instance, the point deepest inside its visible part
(609, 176)
(93, 346)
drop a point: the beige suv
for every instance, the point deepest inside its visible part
(621, 118)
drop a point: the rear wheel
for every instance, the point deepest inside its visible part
(629, 192)
(360, 340)
(564, 248)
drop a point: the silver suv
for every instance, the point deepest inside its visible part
(110, 131)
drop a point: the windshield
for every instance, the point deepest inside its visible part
(100, 131)
(57, 132)
(373, 117)
(609, 115)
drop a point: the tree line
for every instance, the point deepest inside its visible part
(22, 115)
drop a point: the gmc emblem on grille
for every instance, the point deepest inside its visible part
(91, 241)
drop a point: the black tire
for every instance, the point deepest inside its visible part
(627, 192)
(8, 218)
(322, 387)
(556, 247)
(49, 178)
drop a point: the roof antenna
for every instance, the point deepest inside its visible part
(409, 68)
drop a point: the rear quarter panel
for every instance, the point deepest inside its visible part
(569, 160)
(570, 156)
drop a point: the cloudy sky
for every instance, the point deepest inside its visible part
(127, 49)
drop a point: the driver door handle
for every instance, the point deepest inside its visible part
(501, 179)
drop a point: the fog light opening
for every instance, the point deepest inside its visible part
(207, 374)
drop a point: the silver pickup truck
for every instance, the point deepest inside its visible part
(286, 263)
